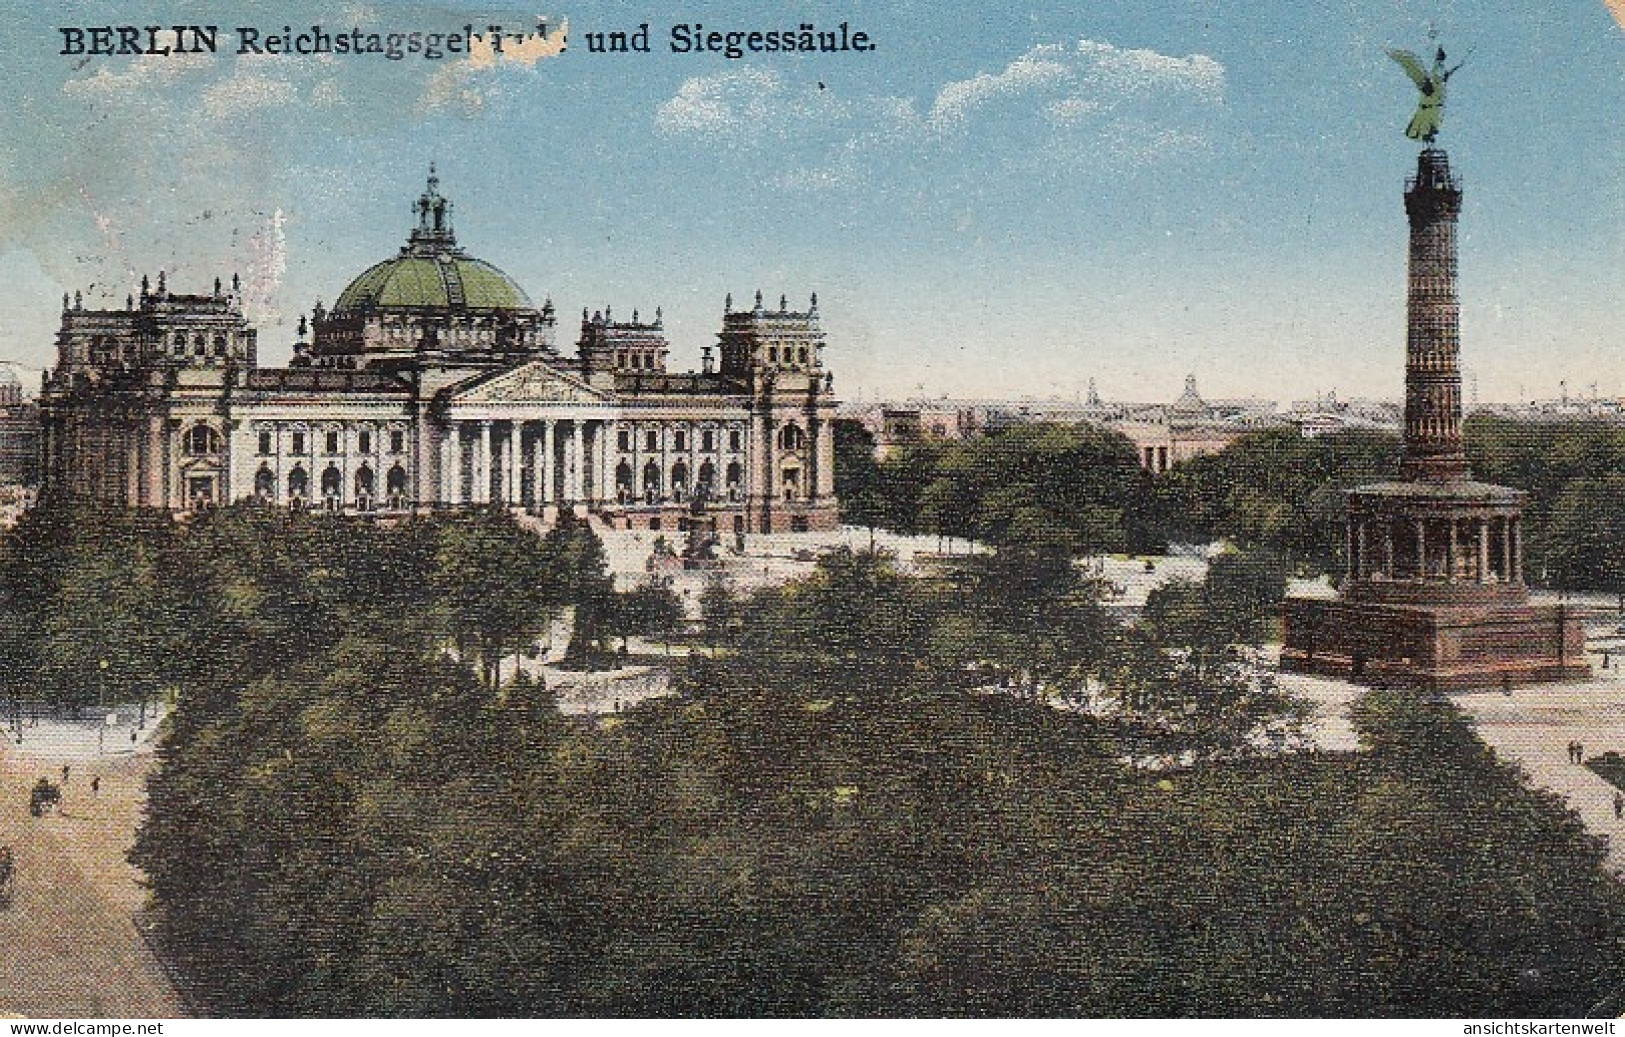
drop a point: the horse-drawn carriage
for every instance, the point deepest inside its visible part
(45, 796)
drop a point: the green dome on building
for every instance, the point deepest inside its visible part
(432, 273)
(449, 281)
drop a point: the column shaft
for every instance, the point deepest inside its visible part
(482, 492)
(544, 468)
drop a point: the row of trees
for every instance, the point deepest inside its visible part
(857, 806)
(1077, 486)
(1276, 491)
(118, 605)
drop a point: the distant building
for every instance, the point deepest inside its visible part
(1164, 436)
(1326, 414)
(19, 434)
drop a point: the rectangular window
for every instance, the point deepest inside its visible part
(365, 443)
(708, 441)
(682, 441)
(623, 441)
(332, 442)
(733, 440)
(265, 443)
(397, 442)
(298, 442)
(651, 441)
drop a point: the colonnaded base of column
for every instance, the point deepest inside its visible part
(1433, 648)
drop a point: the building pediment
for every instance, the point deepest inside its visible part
(532, 383)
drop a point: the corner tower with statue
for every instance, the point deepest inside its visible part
(434, 381)
(1433, 596)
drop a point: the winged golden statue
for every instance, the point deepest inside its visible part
(1429, 115)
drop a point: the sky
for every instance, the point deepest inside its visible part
(994, 202)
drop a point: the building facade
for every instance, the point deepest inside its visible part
(433, 382)
(19, 434)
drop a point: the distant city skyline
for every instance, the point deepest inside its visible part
(991, 204)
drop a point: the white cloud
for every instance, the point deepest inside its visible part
(141, 73)
(245, 93)
(1075, 106)
(747, 100)
(1037, 70)
(1090, 80)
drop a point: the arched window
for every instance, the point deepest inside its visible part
(332, 482)
(623, 481)
(264, 484)
(180, 345)
(679, 475)
(198, 348)
(220, 345)
(708, 477)
(733, 480)
(298, 483)
(364, 482)
(651, 482)
(791, 437)
(396, 480)
(791, 481)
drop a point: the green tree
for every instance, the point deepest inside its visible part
(498, 583)
(651, 609)
(1583, 542)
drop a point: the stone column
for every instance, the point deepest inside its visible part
(457, 463)
(155, 462)
(578, 459)
(826, 460)
(604, 483)
(1515, 526)
(1451, 561)
(544, 469)
(1506, 550)
(510, 487)
(279, 458)
(130, 450)
(527, 462)
(445, 467)
(482, 492)
(1483, 528)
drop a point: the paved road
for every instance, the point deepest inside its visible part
(1531, 727)
(68, 946)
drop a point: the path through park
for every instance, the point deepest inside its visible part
(68, 942)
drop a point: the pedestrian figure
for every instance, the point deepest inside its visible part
(95, 785)
(1579, 753)
(1619, 806)
(132, 737)
(64, 774)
